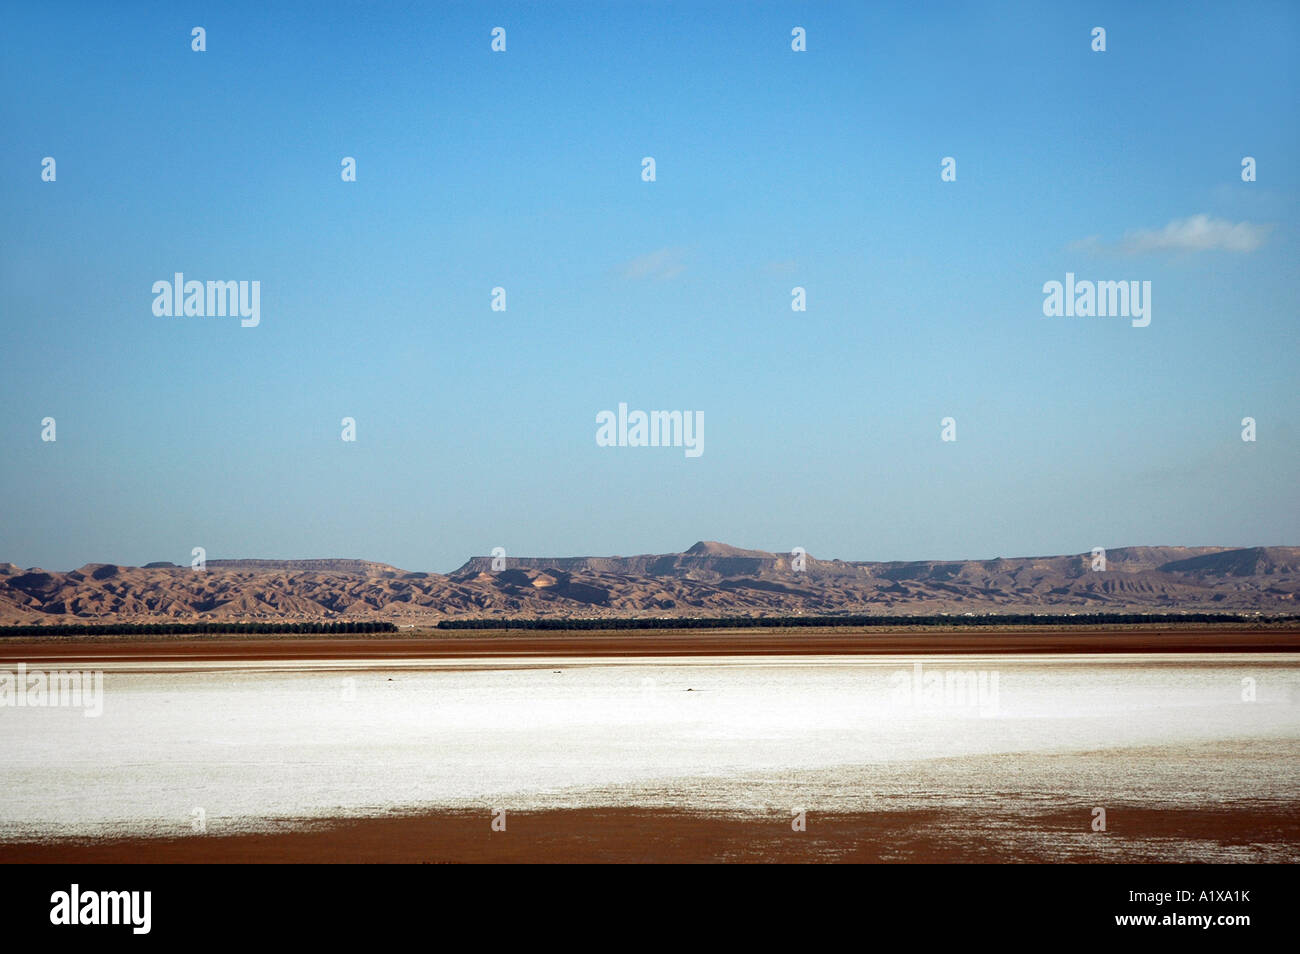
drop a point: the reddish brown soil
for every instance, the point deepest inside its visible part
(700, 643)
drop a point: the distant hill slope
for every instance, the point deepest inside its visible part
(708, 579)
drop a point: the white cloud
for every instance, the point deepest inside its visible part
(1199, 233)
(662, 264)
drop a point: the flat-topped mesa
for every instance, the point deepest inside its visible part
(634, 565)
(707, 559)
(1251, 561)
(357, 567)
(712, 560)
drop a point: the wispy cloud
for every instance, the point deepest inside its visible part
(1199, 233)
(661, 264)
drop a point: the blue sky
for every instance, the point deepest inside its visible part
(522, 169)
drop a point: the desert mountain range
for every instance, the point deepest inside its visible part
(709, 579)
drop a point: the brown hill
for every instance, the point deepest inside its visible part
(1254, 561)
(708, 579)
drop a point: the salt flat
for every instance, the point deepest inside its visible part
(259, 745)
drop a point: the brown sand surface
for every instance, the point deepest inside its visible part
(654, 835)
(1190, 639)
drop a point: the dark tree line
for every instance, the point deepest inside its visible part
(782, 622)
